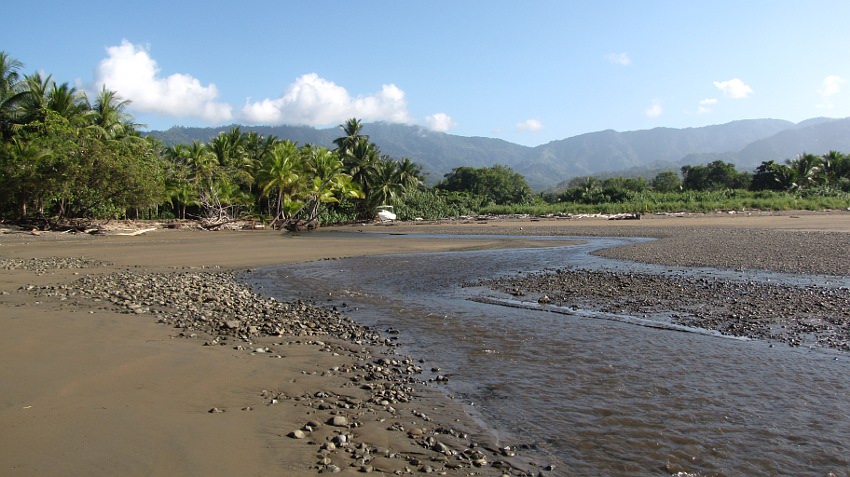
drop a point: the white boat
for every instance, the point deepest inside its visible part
(385, 213)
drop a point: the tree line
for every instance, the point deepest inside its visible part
(827, 174)
(66, 156)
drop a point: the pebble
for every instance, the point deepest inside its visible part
(795, 315)
(48, 264)
(201, 302)
(338, 421)
(204, 304)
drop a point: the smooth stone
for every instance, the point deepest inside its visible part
(338, 421)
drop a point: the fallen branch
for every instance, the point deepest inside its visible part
(100, 231)
(137, 232)
(216, 225)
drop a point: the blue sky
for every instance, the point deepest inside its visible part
(528, 72)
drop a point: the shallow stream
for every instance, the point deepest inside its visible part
(596, 394)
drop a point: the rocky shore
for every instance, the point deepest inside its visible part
(366, 414)
(791, 251)
(797, 316)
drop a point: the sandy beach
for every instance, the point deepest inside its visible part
(108, 370)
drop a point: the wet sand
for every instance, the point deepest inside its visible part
(92, 388)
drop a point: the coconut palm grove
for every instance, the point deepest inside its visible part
(67, 156)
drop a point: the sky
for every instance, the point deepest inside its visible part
(528, 72)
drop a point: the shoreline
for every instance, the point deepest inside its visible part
(286, 386)
(97, 375)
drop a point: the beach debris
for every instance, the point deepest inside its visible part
(134, 233)
(624, 217)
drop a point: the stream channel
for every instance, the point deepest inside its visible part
(597, 394)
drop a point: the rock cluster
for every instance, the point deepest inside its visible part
(212, 303)
(793, 251)
(811, 252)
(43, 265)
(809, 315)
(216, 307)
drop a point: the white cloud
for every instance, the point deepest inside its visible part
(620, 59)
(706, 105)
(441, 122)
(831, 87)
(529, 125)
(314, 101)
(734, 88)
(130, 71)
(654, 110)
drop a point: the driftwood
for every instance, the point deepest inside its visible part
(101, 231)
(137, 232)
(215, 225)
(299, 225)
(625, 217)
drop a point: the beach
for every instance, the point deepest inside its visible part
(146, 355)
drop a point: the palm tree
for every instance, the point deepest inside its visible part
(806, 167)
(386, 186)
(180, 187)
(34, 105)
(410, 174)
(326, 179)
(831, 164)
(24, 182)
(109, 116)
(68, 102)
(230, 150)
(361, 162)
(13, 92)
(282, 172)
(257, 149)
(352, 129)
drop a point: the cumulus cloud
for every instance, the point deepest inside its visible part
(620, 59)
(654, 110)
(706, 105)
(830, 87)
(734, 88)
(441, 122)
(130, 71)
(314, 101)
(529, 125)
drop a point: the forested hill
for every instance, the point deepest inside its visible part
(745, 143)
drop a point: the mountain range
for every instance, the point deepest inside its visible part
(745, 143)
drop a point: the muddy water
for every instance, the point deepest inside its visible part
(598, 395)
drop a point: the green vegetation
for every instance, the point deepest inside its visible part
(64, 156)
(807, 182)
(497, 185)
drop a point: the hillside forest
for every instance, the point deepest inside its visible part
(66, 156)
